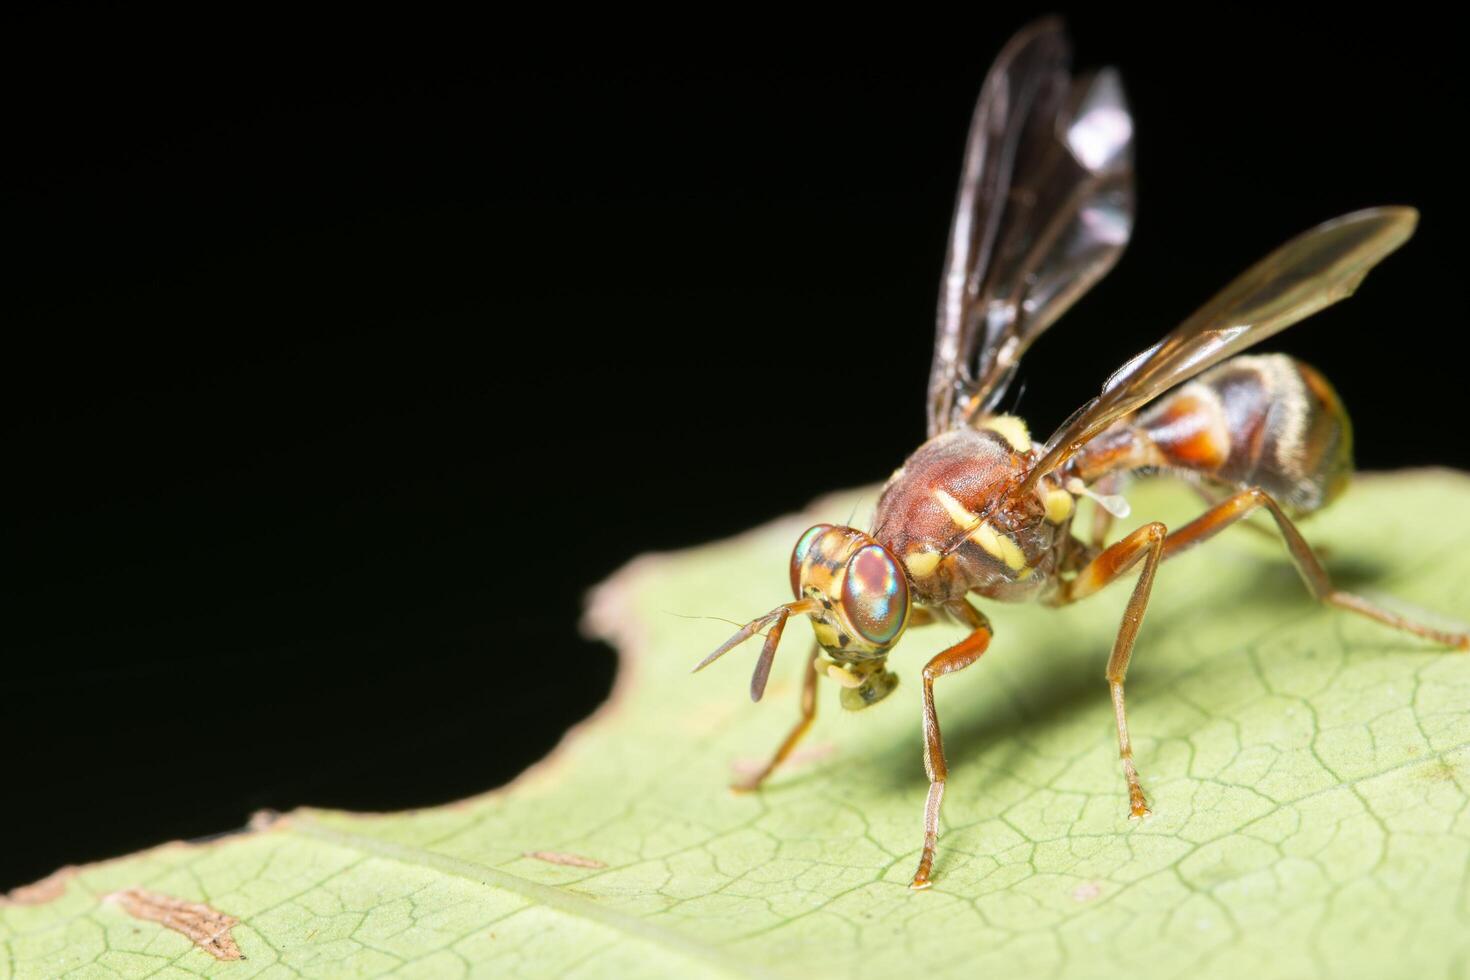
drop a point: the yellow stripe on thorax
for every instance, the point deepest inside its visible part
(997, 545)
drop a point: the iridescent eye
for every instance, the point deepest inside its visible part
(875, 595)
(799, 553)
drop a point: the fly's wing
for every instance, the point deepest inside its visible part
(1307, 274)
(1045, 207)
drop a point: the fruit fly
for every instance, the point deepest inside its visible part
(981, 509)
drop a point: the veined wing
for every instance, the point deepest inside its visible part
(1308, 273)
(1045, 207)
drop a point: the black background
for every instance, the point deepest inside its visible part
(341, 366)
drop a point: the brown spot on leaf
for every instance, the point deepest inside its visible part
(1441, 771)
(205, 927)
(570, 860)
(51, 887)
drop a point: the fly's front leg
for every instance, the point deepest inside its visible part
(803, 725)
(1146, 544)
(1243, 504)
(808, 711)
(957, 657)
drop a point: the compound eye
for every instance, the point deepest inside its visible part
(875, 595)
(799, 553)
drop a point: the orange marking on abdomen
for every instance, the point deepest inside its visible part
(1189, 430)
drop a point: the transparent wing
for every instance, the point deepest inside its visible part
(1045, 207)
(1308, 273)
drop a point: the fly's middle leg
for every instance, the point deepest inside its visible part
(1147, 545)
(1152, 544)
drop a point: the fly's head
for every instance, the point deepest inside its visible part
(857, 596)
(860, 604)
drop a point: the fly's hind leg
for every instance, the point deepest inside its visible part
(1243, 504)
(1152, 544)
(957, 657)
(803, 724)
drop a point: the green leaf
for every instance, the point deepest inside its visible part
(1309, 773)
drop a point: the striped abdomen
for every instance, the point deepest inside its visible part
(1266, 421)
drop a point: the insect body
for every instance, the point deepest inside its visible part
(983, 511)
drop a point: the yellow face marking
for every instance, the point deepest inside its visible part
(826, 635)
(921, 564)
(1012, 429)
(1059, 505)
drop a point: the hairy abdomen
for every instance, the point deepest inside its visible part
(1267, 421)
